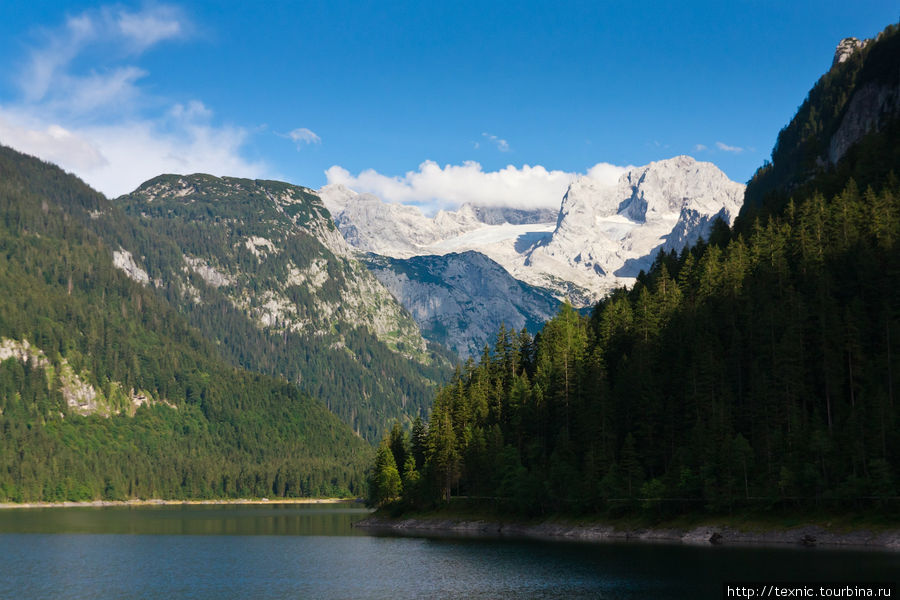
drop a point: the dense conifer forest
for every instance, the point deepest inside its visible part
(753, 370)
(757, 369)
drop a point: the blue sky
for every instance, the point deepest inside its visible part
(422, 102)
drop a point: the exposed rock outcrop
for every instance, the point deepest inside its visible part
(460, 300)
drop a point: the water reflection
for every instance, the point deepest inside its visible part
(233, 519)
(311, 551)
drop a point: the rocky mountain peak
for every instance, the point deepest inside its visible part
(654, 192)
(600, 238)
(845, 49)
(606, 234)
(336, 197)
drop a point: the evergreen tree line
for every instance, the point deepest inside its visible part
(758, 369)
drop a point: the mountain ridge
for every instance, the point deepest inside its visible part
(260, 267)
(459, 299)
(600, 238)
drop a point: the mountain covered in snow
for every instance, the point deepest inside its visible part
(602, 236)
(606, 235)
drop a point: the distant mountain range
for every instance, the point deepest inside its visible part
(601, 237)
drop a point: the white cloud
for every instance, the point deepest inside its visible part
(116, 31)
(607, 173)
(115, 158)
(726, 148)
(302, 135)
(700, 148)
(151, 25)
(113, 89)
(140, 150)
(98, 122)
(195, 110)
(502, 145)
(434, 187)
(50, 142)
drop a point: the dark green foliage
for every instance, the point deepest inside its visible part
(800, 164)
(760, 373)
(757, 370)
(385, 483)
(231, 433)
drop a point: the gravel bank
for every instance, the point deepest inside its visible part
(705, 535)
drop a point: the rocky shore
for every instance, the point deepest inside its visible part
(811, 535)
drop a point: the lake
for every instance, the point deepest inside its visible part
(311, 551)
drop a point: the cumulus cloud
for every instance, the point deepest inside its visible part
(607, 173)
(726, 148)
(502, 145)
(98, 122)
(302, 135)
(433, 187)
(140, 150)
(50, 142)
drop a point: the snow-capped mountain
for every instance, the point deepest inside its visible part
(395, 230)
(601, 238)
(606, 235)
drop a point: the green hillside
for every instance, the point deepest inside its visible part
(259, 267)
(106, 391)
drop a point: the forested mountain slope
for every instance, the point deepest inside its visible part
(259, 267)
(847, 126)
(106, 391)
(757, 370)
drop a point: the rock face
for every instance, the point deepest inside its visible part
(845, 49)
(872, 104)
(498, 215)
(461, 299)
(606, 234)
(601, 237)
(870, 107)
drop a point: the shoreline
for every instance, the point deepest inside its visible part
(161, 502)
(703, 535)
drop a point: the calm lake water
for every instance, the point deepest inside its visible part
(311, 551)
